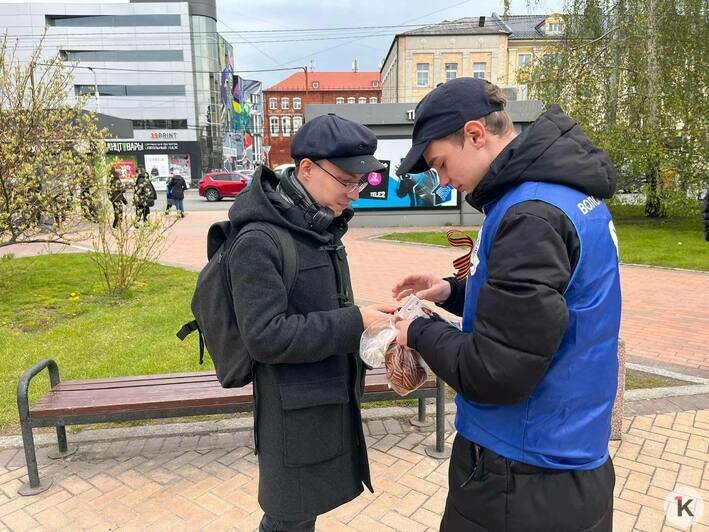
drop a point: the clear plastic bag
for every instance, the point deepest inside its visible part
(375, 341)
(405, 369)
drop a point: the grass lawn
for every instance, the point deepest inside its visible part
(673, 243)
(52, 306)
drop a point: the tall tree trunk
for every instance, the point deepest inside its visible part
(654, 204)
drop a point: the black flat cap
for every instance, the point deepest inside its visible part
(344, 143)
(442, 112)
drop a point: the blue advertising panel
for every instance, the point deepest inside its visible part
(386, 190)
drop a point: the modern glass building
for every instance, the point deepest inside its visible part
(155, 63)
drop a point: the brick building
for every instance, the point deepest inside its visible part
(284, 103)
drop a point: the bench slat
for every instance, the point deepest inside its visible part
(171, 391)
(77, 386)
(147, 378)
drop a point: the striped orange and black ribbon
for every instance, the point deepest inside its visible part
(459, 239)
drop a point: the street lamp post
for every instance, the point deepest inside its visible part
(98, 100)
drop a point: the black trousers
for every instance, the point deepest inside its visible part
(495, 494)
(142, 213)
(271, 524)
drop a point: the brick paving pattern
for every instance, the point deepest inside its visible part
(209, 482)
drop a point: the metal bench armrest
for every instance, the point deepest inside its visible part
(23, 403)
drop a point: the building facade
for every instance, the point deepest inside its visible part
(284, 103)
(155, 63)
(492, 48)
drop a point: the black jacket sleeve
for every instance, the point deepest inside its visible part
(456, 301)
(521, 315)
(271, 335)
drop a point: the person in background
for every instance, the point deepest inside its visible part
(177, 187)
(144, 195)
(117, 196)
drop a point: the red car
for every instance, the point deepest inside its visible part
(217, 185)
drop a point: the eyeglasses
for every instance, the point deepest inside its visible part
(357, 186)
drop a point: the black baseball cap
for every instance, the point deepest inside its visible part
(442, 112)
(344, 143)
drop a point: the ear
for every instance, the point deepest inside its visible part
(306, 166)
(476, 133)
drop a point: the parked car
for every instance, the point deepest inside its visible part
(160, 182)
(248, 173)
(217, 185)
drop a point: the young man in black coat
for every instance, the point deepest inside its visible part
(308, 377)
(535, 364)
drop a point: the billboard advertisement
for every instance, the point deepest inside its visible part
(385, 190)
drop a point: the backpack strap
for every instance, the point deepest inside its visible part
(286, 245)
(187, 329)
(289, 256)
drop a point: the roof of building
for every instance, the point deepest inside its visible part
(461, 26)
(330, 81)
(518, 27)
(525, 27)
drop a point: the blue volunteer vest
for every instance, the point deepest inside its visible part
(566, 421)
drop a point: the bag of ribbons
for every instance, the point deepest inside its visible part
(405, 369)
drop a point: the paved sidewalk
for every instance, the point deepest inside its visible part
(209, 482)
(660, 306)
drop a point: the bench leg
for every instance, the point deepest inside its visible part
(64, 450)
(34, 486)
(440, 451)
(421, 420)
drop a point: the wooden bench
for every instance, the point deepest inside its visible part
(162, 396)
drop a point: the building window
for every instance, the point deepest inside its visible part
(479, 70)
(273, 126)
(297, 123)
(523, 60)
(554, 27)
(351, 100)
(111, 21)
(451, 71)
(339, 101)
(316, 84)
(273, 104)
(422, 74)
(297, 103)
(131, 90)
(361, 100)
(285, 126)
(373, 99)
(375, 84)
(284, 103)
(121, 55)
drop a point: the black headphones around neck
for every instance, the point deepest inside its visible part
(319, 218)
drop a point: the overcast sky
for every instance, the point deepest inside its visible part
(337, 55)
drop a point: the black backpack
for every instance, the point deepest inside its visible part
(213, 305)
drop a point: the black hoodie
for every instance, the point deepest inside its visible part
(521, 315)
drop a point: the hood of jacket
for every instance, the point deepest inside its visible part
(264, 202)
(553, 149)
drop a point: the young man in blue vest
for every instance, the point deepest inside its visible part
(535, 365)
